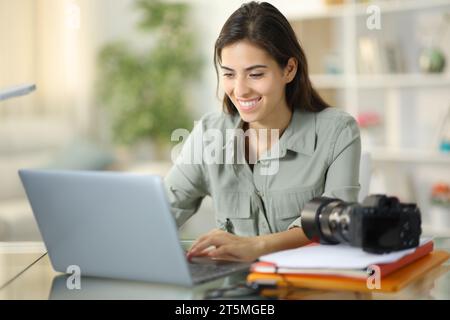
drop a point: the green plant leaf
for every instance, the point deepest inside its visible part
(145, 93)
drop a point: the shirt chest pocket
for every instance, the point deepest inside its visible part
(233, 213)
(285, 207)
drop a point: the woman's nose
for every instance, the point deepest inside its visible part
(241, 88)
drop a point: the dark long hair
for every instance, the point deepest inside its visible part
(263, 25)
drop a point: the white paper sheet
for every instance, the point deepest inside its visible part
(339, 256)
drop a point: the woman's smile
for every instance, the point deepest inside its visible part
(249, 105)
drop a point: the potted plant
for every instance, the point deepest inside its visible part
(145, 94)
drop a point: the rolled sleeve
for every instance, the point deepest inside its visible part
(185, 183)
(342, 178)
(297, 223)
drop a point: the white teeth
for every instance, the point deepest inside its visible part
(248, 104)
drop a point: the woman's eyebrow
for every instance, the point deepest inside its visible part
(256, 66)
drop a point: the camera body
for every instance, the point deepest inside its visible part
(380, 224)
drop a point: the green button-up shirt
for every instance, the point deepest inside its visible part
(319, 155)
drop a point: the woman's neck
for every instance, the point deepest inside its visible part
(278, 119)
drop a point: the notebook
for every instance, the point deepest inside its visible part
(393, 282)
(275, 264)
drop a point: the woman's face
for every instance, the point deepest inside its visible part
(255, 83)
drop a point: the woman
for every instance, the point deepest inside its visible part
(264, 75)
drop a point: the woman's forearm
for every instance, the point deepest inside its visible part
(284, 240)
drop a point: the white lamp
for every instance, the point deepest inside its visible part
(16, 91)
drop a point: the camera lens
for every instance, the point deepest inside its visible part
(330, 221)
(321, 218)
(311, 215)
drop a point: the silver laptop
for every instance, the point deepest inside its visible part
(115, 225)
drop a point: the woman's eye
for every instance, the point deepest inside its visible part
(228, 75)
(256, 75)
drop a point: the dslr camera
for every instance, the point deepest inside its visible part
(380, 224)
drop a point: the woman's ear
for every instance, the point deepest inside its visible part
(290, 70)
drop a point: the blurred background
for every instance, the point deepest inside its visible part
(115, 77)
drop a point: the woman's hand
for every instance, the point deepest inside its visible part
(219, 244)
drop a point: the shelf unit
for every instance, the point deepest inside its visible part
(330, 81)
(295, 10)
(342, 26)
(405, 159)
(410, 156)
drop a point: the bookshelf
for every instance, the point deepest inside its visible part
(296, 10)
(340, 28)
(410, 103)
(329, 81)
(411, 156)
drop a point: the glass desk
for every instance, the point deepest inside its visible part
(16, 257)
(26, 273)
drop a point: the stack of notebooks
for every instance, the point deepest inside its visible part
(341, 267)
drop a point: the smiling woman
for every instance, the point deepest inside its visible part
(264, 74)
(256, 91)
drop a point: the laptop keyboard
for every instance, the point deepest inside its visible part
(208, 269)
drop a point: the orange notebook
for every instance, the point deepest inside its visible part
(385, 269)
(390, 283)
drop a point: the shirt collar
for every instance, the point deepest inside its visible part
(237, 124)
(299, 136)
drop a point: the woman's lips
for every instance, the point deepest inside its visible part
(248, 104)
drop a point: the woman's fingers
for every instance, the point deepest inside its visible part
(206, 243)
(224, 253)
(204, 253)
(216, 239)
(199, 253)
(203, 237)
